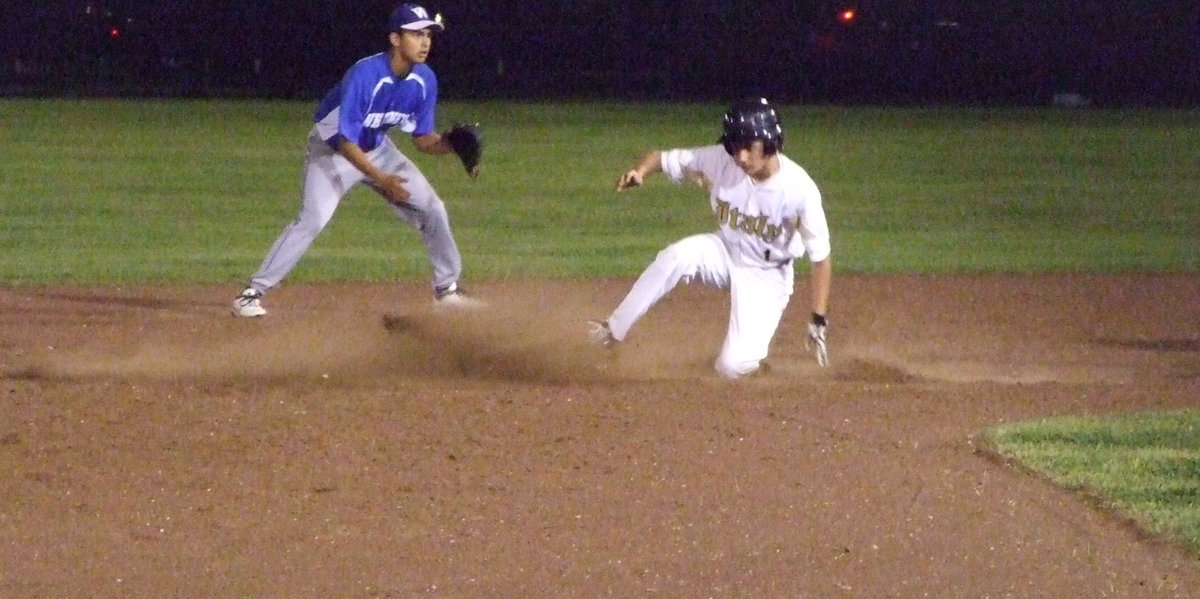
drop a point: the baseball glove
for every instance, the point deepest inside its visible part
(816, 341)
(467, 142)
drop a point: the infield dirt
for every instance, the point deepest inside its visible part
(152, 445)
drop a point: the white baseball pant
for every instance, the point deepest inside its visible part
(758, 297)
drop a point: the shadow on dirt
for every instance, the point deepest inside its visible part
(1157, 345)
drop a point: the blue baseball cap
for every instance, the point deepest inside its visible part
(411, 17)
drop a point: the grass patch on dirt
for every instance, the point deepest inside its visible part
(1144, 465)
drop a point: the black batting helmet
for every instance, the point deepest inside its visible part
(748, 120)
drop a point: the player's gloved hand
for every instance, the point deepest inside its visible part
(816, 341)
(467, 142)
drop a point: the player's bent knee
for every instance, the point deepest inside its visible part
(432, 209)
(313, 220)
(736, 369)
(677, 257)
(670, 254)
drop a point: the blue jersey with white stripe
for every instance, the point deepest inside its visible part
(369, 100)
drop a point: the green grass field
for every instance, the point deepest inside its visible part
(134, 192)
(1146, 466)
(141, 191)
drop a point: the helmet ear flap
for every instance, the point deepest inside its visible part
(729, 149)
(773, 145)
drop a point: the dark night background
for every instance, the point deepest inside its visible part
(1129, 52)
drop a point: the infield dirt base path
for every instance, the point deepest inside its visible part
(151, 445)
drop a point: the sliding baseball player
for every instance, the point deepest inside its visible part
(768, 213)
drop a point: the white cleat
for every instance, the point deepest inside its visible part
(455, 297)
(248, 303)
(599, 334)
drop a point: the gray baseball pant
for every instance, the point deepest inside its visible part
(328, 177)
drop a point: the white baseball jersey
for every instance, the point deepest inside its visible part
(763, 226)
(763, 223)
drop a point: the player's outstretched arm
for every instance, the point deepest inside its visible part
(464, 141)
(822, 277)
(433, 144)
(647, 163)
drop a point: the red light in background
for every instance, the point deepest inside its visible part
(114, 32)
(847, 15)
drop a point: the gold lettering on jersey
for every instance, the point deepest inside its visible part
(751, 225)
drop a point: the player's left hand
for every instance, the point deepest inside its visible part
(631, 178)
(392, 189)
(817, 341)
(467, 143)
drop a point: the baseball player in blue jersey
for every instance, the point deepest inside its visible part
(769, 214)
(349, 144)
